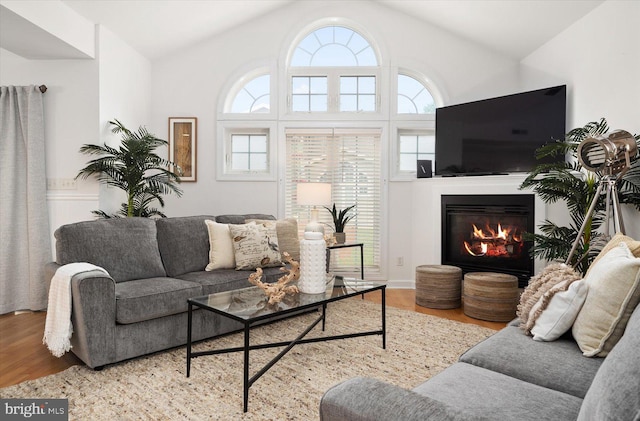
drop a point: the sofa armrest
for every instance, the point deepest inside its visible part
(94, 318)
(366, 399)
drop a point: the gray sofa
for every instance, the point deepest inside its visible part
(508, 376)
(154, 267)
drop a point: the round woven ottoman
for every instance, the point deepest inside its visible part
(438, 286)
(490, 296)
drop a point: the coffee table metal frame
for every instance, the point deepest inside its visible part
(321, 304)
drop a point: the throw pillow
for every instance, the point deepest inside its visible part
(633, 245)
(221, 252)
(287, 230)
(614, 292)
(255, 245)
(564, 304)
(549, 277)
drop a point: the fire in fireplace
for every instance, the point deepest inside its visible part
(485, 233)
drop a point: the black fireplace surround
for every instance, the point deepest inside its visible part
(483, 233)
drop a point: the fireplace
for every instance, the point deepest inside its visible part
(484, 233)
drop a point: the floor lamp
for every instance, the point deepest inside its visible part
(612, 155)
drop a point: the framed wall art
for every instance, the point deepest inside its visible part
(183, 145)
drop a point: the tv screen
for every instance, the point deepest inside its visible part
(498, 135)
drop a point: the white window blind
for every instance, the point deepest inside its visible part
(348, 159)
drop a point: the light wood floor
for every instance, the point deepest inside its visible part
(24, 357)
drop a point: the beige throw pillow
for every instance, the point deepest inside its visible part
(287, 230)
(255, 245)
(633, 245)
(614, 292)
(221, 252)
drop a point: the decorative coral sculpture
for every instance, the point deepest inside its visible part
(277, 290)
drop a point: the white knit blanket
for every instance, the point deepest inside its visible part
(58, 327)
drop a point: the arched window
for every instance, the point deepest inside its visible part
(333, 46)
(253, 97)
(414, 97)
(334, 69)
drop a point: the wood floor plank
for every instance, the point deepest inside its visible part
(24, 357)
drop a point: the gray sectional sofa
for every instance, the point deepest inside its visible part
(154, 267)
(508, 376)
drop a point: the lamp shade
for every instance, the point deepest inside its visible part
(314, 194)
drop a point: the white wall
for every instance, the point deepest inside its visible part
(125, 86)
(599, 58)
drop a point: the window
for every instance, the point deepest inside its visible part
(334, 70)
(246, 151)
(414, 97)
(348, 159)
(333, 46)
(357, 93)
(253, 97)
(415, 145)
(309, 93)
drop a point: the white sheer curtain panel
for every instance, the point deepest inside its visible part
(25, 246)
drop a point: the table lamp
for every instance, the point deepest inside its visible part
(314, 194)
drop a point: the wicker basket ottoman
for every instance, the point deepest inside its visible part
(490, 296)
(438, 286)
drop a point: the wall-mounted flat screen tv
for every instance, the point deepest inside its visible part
(498, 135)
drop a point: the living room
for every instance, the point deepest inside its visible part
(104, 77)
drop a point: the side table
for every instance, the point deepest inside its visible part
(347, 245)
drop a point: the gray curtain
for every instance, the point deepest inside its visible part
(25, 244)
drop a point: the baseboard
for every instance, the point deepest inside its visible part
(401, 284)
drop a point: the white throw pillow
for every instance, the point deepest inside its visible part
(560, 313)
(221, 251)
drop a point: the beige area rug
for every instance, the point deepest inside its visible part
(156, 388)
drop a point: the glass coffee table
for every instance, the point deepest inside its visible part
(249, 306)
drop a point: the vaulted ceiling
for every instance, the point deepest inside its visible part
(514, 28)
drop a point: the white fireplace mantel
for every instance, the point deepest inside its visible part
(427, 216)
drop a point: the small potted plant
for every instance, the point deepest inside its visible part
(340, 219)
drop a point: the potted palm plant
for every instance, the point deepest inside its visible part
(566, 181)
(135, 168)
(340, 219)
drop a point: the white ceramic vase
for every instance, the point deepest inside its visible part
(313, 264)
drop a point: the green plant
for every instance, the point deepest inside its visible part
(340, 217)
(565, 180)
(135, 168)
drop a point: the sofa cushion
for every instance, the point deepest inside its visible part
(126, 247)
(183, 243)
(255, 245)
(221, 252)
(496, 396)
(557, 365)
(146, 299)
(288, 238)
(240, 219)
(615, 391)
(227, 279)
(614, 292)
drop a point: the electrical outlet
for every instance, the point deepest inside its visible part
(61, 184)
(400, 261)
